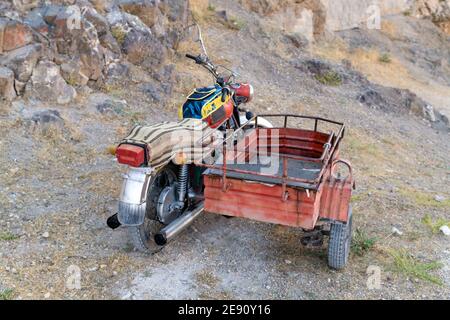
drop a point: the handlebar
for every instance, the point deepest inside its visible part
(204, 61)
(208, 65)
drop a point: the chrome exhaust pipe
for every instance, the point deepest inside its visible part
(167, 233)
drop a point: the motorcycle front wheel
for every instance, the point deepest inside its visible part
(142, 236)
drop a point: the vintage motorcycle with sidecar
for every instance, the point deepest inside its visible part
(222, 159)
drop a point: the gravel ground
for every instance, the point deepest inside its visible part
(59, 186)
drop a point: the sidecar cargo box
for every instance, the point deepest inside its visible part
(280, 175)
(261, 154)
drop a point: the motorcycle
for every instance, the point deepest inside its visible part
(158, 201)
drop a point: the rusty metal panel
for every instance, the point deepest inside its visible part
(261, 202)
(335, 199)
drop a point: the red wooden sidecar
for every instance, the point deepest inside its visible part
(288, 175)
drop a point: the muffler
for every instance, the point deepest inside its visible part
(167, 233)
(113, 222)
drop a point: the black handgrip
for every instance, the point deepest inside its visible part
(190, 56)
(197, 59)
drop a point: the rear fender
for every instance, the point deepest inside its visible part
(133, 195)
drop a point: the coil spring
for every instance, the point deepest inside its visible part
(182, 182)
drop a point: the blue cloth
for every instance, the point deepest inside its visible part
(192, 108)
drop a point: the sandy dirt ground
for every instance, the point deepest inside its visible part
(58, 186)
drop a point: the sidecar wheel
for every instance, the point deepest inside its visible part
(339, 243)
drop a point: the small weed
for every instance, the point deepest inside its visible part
(434, 226)
(385, 58)
(71, 81)
(207, 278)
(407, 264)
(211, 7)
(119, 34)
(6, 294)
(8, 236)
(114, 90)
(362, 243)
(236, 23)
(330, 78)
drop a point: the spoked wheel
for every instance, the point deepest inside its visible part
(339, 245)
(142, 236)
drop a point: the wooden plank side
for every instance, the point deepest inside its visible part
(261, 203)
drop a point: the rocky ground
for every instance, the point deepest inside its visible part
(71, 94)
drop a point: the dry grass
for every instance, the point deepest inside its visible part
(48, 273)
(205, 13)
(390, 29)
(394, 74)
(435, 225)
(201, 11)
(422, 199)
(367, 154)
(206, 278)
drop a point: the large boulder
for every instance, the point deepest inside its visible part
(76, 38)
(7, 84)
(14, 34)
(306, 17)
(35, 20)
(166, 18)
(147, 10)
(22, 62)
(137, 40)
(48, 84)
(72, 72)
(79, 39)
(103, 32)
(143, 49)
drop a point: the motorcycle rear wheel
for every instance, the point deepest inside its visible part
(142, 236)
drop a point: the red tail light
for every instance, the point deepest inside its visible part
(130, 154)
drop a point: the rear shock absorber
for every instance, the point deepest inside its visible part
(182, 182)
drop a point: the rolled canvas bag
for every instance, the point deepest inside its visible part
(164, 140)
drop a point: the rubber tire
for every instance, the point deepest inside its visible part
(143, 240)
(340, 243)
(142, 236)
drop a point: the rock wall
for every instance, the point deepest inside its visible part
(51, 49)
(437, 10)
(347, 14)
(312, 17)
